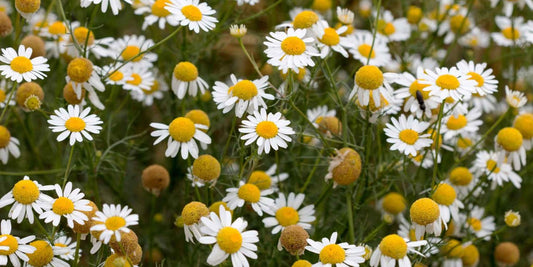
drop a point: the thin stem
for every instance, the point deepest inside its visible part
(315, 165)
(67, 170)
(8, 100)
(378, 7)
(64, 17)
(254, 64)
(77, 251)
(350, 215)
(41, 227)
(437, 146)
(260, 13)
(229, 137)
(29, 173)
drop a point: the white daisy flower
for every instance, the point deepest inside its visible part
(147, 97)
(508, 6)
(229, 238)
(515, 99)
(128, 47)
(423, 159)
(487, 163)
(116, 5)
(67, 247)
(333, 254)
(4, 99)
(360, 44)
(476, 38)
(267, 179)
(446, 83)
(394, 249)
(315, 115)
(155, 12)
(74, 123)
(8, 145)
(185, 79)
(26, 197)
(14, 249)
(83, 36)
(40, 20)
(425, 217)
(369, 80)
(446, 197)
(245, 95)
(481, 226)
(406, 136)
(513, 33)
(455, 25)
(286, 211)
(330, 39)
(486, 82)
(411, 91)
(290, 50)
(407, 232)
(69, 204)
(5, 6)
(392, 206)
(54, 29)
(393, 29)
(82, 74)
(112, 221)
(20, 66)
(414, 61)
(522, 123)
(345, 15)
(116, 76)
(251, 194)
(510, 141)
(270, 130)
(194, 14)
(461, 124)
(182, 133)
(46, 255)
(140, 77)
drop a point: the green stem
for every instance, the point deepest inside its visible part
(64, 17)
(29, 173)
(437, 146)
(8, 100)
(260, 13)
(41, 227)
(378, 8)
(77, 251)
(350, 215)
(67, 170)
(226, 146)
(315, 165)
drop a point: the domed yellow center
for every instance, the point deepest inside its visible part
(5, 136)
(192, 13)
(11, 243)
(260, 179)
(305, 19)
(229, 239)
(369, 77)
(249, 193)
(408, 136)
(154, 88)
(416, 86)
(393, 246)
(80, 70)
(244, 90)
(131, 51)
(62, 206)
(424, 211)
(464, 142)
(444, 194)
(492, 166)
(476, 77)
(136, 79)
(474, 223)
(83, 35)
(43, 254)
(509, 138)
(158, 8)
(266, 129)
(293, 46)
(332, 254)
(330, 37)
(114, 223)
(459, 24)
(21, 64)
(116, 76)
(385, 28)
(524, 124)
(456, 123)
(460, 176)
(511, 33)
(182, 129)
(394, 203)
(287, 216)
(365, 49)
(25, 192)
(453, 249)
(447, 81)
(193, 211)
(185, 71)
(2, 95)
(75, 124)
(57, 28)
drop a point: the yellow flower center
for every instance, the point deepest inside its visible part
(447, 81)
(424, 211)
(470, 256)
(81, 34)
(524, 124)
(114, 223)
(512, 219)
(182, 129)
(511, 33)
(131, 51)
(476, 77)
(43, 254)
(416, 86)
(158, 8)
(260, 179)
(192, 13)
(369, 77)
(322, 5)
(293, 45)
(154, 88)
(474, 223)
(229, 239)
(266, 129)
(386, 28)
(63, 206)
(21, 64)
(394, 203)
(80, 70)
(492, 166)
(453, 249)
(10, 242)
(364, 50)
(25, 192)
(250, 193)
(393, 246)
(244, 90)
(456, 123)
(2, 95)
(57, 28)
(198, 117)
(509, 138)
(116, 76)
(459, 24)
(193, 211)
(115, 260)
(414, 14)
(32, 102)
(206, 167)
(305, 19)
(75, 124)
(464, 142)
(5, 136)
(287, 216)
(444, 194)
(137, 79)
(460, 176)
(408, 136)
(332, 254)
(185, 71)
(330, 37)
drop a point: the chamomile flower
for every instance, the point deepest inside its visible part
(461, 124)
(515, 99)
(185, 79)
(147, 97)
(481, 226)
(155, 12)
(115, 76)
(462, 180)
(267, 179)
(411, 90)
(345, 15)
(8, 145)
(128, 48)
(333, 254)
(67, 247)
(330, 39)
(425, 217)
(369, 80)
(508, 6)
(394, 249)
(46, 255)
(194, 14)
(393, 29)
(74, 123)
(55, 29)
(20, 66)
(267, 130)
(229, 238)
(14, 249)
(5, 6)
(116, 5)
(476, 38)
(140, 78)
(362, 50)
(112, 221)
(315, 115)
(392, 206)
(26, 197)
(488, 163)
(191, 215)
(182, 133)
(243, 95)
(406, 135)
(512, 33)
(83, 36)
(455, 25)
(250, 194)
(286, 211)
(486, 104)
(523, 123)
(290, 50)
(69, 204)
(82, 74)
(486, 82)
(446, 197)
(446, 83)
(510, 141)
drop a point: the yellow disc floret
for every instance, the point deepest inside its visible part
(330, 37)
(416, 86)
(75, 124)
(444, 194)
(21, 64)
(25, 192)
(332, 254)
(244, 90)
(305, 19)
(57, 28)
(199, 117)
(460, 176)
(266, 129)
(322, 5)
(456, 122)
(470, 256)
(459, 24)
(414, 14)
(28, 6)
(62, 206)
(130, 52)
(5, 136)
(287, 216)
(215, 207)
(80, 70)
(43, 254)
(185, 71)
(509, 138)
(408, 136)
(229, 239)
(293, 46)
(394, 203)
(393, 246)
(476, 77)
(192, 13)
(114, 223)
(511, 33)
(193, 211)
(447, 81)
(182, 129)
(385, 28)
(83, 35)
(453, 249)
(369, 77)
(10, 242)
(249, 193)
(349, 168)
(206, 167)
(158, 8)
(524, 124)
(260, 179)
(474, 223)
(424, 211)
(116, 260)
(366, 51)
